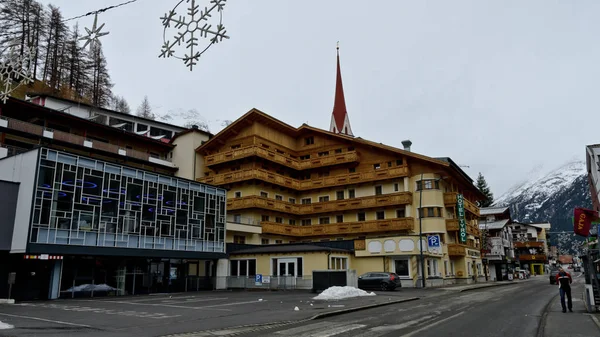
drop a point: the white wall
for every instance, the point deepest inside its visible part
(21, 168)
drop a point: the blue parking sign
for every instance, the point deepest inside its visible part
(433, 241)
(258, 279)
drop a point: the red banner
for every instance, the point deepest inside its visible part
(583, 221)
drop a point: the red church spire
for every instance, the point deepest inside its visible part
(339, 118)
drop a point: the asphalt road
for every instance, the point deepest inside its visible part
(514, 311)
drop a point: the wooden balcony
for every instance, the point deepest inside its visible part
(402, 198)
(529, 244)
(360, 227)
(304, 185)
(450, 200)
(532, 257)
(452, 225)
(65, 137)
(280, 158)
(457, 250)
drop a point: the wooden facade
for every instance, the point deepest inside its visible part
(316, 185)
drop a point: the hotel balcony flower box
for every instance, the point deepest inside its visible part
(359, 227)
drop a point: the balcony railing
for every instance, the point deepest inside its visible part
(452, 225)
(303, 185)
(34, 129)
(457, 250)
(253, 150)
(532, 257)
(402, 198)
(359, 227)
(450, 200)
(528, 244)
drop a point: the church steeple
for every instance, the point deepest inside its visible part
(339, 118)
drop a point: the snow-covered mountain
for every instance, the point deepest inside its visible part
(550, 197)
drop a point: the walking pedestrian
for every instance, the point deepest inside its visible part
(564, 280)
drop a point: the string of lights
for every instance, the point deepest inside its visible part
(100, 10)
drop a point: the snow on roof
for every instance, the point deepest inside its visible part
(492, 210)
(544, 225)
(493, 225)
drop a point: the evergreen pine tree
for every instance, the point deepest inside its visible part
(484, 188)
(145, 110)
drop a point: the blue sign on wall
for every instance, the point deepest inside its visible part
(258, 279)
(433, 241)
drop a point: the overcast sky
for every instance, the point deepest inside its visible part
(499, 86)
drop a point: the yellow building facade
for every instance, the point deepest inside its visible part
(293, 186)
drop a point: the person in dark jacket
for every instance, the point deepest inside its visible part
(564, 280)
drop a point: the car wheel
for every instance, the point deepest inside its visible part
(384, 286)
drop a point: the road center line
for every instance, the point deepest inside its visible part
(47, 320)
(162, 305)
(432, 325)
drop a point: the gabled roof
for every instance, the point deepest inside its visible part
(492, 210)
(190, 130)
(493, 225)
(257, 115)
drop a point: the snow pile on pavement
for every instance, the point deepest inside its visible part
(4, 326)
(338, 293)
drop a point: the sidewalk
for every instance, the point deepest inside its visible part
(579, 323)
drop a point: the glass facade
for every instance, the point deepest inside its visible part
(87, 202)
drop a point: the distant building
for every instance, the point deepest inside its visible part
(90, 209)
(497, 247)
(593, 169)
(531, 248)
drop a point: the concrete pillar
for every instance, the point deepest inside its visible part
(55, 278)
(222, 273)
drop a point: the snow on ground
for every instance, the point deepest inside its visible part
(4, 326)
(338, 293)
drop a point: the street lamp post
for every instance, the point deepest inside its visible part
(421, 233)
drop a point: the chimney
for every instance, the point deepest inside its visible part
(406, 143)
(195, 127)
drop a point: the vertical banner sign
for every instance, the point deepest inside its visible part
(462, 224)
(583, 219)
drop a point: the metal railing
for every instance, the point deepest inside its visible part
(274, 282)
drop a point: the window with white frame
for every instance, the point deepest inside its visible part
(242, 268)
(432, 267)
(306, 201)
(238, 194)
(402, 267)
(338, 263)
(264, 194)
(278, 197)
(324, 198)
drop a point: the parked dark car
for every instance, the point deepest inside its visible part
(379, 280)
(553, 274)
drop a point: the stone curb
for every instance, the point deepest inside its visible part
(5, 301)
(364, 307)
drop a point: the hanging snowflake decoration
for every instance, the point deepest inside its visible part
(15, 68)
(93, 34)
(189, 32)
